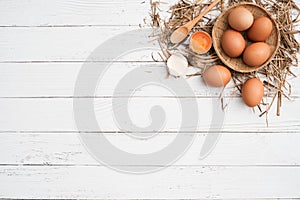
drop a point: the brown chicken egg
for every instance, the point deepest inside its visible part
(233, 43)
(240, 19)
(252, 92)
(260, 30)
(257, 54)
(217, 76)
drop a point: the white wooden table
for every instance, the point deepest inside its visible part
(43, 44)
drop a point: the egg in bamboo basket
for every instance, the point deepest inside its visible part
(222, 24)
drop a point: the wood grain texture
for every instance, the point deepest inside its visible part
(57, 115)
(66, 149)
(73, 12)
(43, 46)
(171, 183)
(58, 80)
(53, 44)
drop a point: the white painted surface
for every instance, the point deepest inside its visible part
(42, 47)
(233, 149)
(73, 12)
(173, 182)
(56, 114)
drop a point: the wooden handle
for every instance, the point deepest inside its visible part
(192, 23)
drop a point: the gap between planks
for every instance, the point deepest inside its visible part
(160, 166)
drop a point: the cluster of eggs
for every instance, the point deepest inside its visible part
(258, 31)
(254, 53)
(234, 45)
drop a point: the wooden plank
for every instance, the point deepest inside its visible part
(72, 12)
(171, 183)
(244, 149)
(43, 63)
(70, 44)
(57, 115)
(58, 80)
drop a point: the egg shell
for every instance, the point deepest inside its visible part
(177, 64)
(260, 30)
(201, 42)
(217, 76)
(257, 54)
(240, 19)
(233, 43)
(252, 92)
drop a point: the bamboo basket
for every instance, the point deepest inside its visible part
(222, 25)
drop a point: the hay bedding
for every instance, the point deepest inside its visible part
(275, 75)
